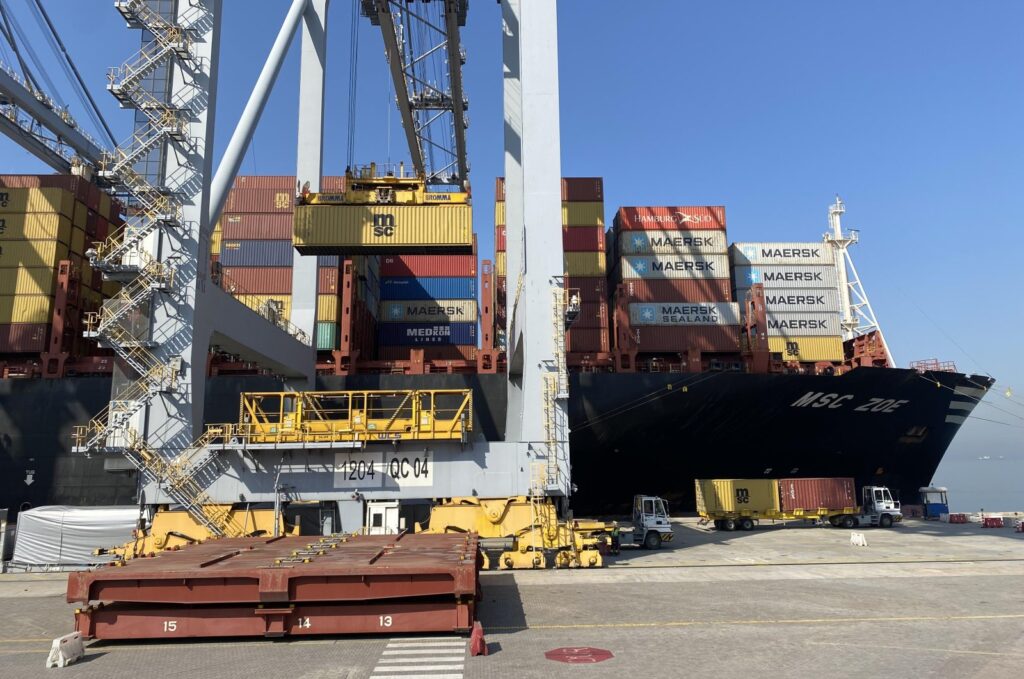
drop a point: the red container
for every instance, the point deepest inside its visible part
(674, 339)
(256, 226)
(592, 315)
(260, 280)
(327, 280)
(260, 200)
(797, 494)
(583, 238)
(583, 189)
(670, 218)
(587, 340)
(334, 184)
(282, 182)
(23, 338)
(84, 191)
(678, 290)
(428, 265)
(453, 352)
(591, 289)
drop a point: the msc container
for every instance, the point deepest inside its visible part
(446, 287)
(807, 349)
(32, 253)
(684, 313)
(327, 308)
(260, 200)
(21, 201)
(675, 266)
(428, 265)
(416, 334)
(803, 300)
(587, 340)
(678, 289)
(257, 226)
(573, 214)
(429, 311)
(35, 226)
(326, 336)
(703, 242)
(26, 309)
(746, 254)
(28, 280)
(792, 324)
(283, 182)
(789, 277)
(590, 189)
(263, 280)
(276, 253)
(737, 496)
(23, 338)
(662, 218)
(327, 280)
(380, 229)
(813, 494)
(677, 339)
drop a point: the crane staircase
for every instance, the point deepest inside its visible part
(556, 396)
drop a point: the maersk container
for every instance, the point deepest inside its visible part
(751, 497)
(441, 287)
(257, 226)
(814, 494)
(21, 201)
(678, 290)
(256, 253)
(792, 324)
(702, 242)
(684, 313)
(36, 226)
(746, 254)
(383, 229)
(689, 217)
(788, 277)
(807, 349)
(428, 265)
(432, 311)
(326, 336)
(675, 266)
(802, 300)
(425, 334)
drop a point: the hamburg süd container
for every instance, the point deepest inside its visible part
(274, 253)
(747, 254)
(807, 349)
(667, 218)
(786, 277)
(678, 289)
(792, 324)
(257, 226)
(416, 334)
(383, 229)
(737, 496)
(439, 287)
(803, 300)
(429, 311)
(812, 494)
(700, 242)
(684, 313)
(428, 265)
(22, 201)
(675, 266)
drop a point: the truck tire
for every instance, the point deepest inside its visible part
(652, 540)
(729, 524)
(718, 524)
(885, 521)
(746, 523)
(847, 521)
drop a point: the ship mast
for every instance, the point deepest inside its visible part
(858, 318)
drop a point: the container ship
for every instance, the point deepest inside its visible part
(689, 356)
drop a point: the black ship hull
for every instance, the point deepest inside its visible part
(631, 433)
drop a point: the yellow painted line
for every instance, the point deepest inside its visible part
(796, 621)
(920, 648)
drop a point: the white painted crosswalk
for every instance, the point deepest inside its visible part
(422, 658)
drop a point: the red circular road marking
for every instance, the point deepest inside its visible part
(579, 655)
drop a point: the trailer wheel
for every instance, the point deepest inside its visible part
(729, 524)
(652, 540)
(834, 520)
(847, 521)
(746, 523)
(885, 521)
(718, 524)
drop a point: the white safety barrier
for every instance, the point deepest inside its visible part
(66, 650)
(858, 540)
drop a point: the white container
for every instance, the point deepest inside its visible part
(429, 311)
(787, 277)
(793, 324)
(703, 242)
(675, 266)
(801, 300)
(684, 313)
(745, 254)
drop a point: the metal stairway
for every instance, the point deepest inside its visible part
(556, 396)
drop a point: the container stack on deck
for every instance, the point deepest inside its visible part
(672, 284)
(801, 296)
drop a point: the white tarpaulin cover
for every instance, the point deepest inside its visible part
(62, 536)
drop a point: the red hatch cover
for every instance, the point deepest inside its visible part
(579, 655)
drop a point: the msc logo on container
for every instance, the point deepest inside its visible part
(384, 225)
(4, 198)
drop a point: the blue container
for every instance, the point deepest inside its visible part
(256, 253)
(426, 334)
(327, 260)
(441, 287)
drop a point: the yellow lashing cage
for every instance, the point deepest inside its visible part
(332, 416)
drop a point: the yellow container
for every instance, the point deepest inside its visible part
(258, 302)
(327, 308)
(104, 205)
(110, 288)
(807, 349)
(737, 496)
(31, 253)
(81, 215)
(77, 241)
(585, 263)
(573, 213)
(215, 240)
(333, 229)
(22, 201)
(26, 308)
(28, 280)
(35, 226)
(499, 263)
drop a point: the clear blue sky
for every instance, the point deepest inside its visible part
(912, 111)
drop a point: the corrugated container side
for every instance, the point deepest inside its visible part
(260, 200)
(257, 302)
(582, 238)
(23, 338)
(807, 349)
(585, 263)
(327, 280)
(261, 280)
(81, 215)
(32, 253)
(675, 266)
(782, 324)
(20, 201)
(35, 226)
(417, 334)
(400, 288)
(327, 308)
(382, 228)
(703, 242)
(786, 277)
(796, 494)
(591, 288)
(429, 311)
(746, 254)
(26, 309)
(77, 240)
(676, 339)
(333, 184)
(28, 280)
(83, 190)
(428, 265)
(684, 313)
(752, 496)
(659, 218)
(588, 189)
(449, 352)
(592, 315)
(256, 253)
(282, 182)
(326, 336)
(678, 289)
(801, 300)
(257, 226)
(328, 260)
(586, 340)
(573, 214)
(216, 239)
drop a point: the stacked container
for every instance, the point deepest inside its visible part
(802, 300)
(45, 219)
(428, 302)
(672, 265)
(584, 257)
